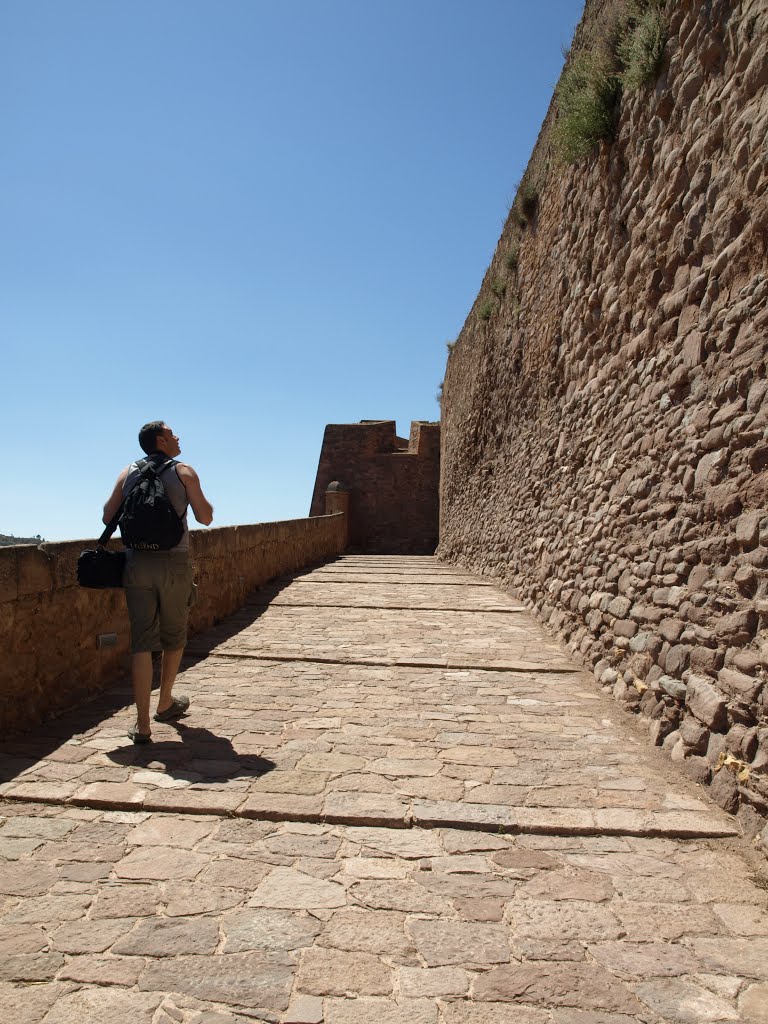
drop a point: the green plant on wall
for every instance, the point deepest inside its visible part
(498, 287)
(627, 56)
(641, 44)
(587, 97)
(486, 309)
(512, 256)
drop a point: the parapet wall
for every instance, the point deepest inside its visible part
(605, 409)
(49, 626)
(393, 484)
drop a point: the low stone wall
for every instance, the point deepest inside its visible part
(605, 409)
(49, 625)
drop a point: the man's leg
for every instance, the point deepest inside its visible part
(141, 674)
(171, 661)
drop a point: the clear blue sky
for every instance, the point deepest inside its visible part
(247, 218)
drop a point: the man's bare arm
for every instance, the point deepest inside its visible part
(116, 497)
(201, 507)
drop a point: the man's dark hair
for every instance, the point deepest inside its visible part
(148, 435)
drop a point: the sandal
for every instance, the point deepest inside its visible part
(176, 709)
(139, 737)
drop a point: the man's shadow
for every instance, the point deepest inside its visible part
(202, 756)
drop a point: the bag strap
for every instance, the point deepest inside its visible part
(111, 526)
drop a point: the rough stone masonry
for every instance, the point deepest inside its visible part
(605, 408)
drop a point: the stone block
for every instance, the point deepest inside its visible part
(739, 685)
(748, 530)
(706, 702)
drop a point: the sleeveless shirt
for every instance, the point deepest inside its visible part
(175, 490)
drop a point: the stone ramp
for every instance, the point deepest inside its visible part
(411, 814)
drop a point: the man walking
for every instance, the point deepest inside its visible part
(158, 583)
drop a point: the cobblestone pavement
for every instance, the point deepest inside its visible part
(394, 800)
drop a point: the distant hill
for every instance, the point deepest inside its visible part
(6, 540)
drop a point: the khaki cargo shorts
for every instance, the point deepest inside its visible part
(159, 592)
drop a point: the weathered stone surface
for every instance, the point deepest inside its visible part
(95, 970)
(753, 1004)
(304, 1010)
(25, 880)
(168, 831)
(30, 966)
(88, 936)
(285, 888)
(678, 1000)
(380, 1011)
(126, 900)
(27, 1004)
(268, 930)
(550, 984)
(456, 942)
(160, 862)
(381, 932)
(407, 896)
(174, 937)
(230, 872)
(335, 972)
(22, 938)
(645, 959)
(727, 955)
(705, 702)
(571, 919)
(239, 979)
(417, 982)
(96, 1005)
(499, 1013)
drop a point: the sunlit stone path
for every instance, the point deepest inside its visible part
(394, 800)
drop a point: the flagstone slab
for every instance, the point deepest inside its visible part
(268, 930)
(28, 1004)
(97, 1005)
(442, 943)
(334, 972)
(160, 862)
(285, 888)
(253, 979)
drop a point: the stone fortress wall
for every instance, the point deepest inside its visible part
(392, 484)
(605, 407)
(49, 626)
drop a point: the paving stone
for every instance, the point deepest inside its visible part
(408, 843)
(237, 979)
(125, 900)
(457, 942)
(678, 1000)
(728, 955)
(404, 895)
(160, 862)
(419, 982)
(27, 1004)
(753, 1004)
(119, 795)
(518, 858)
(192, 801)
(290, 845)
(304, 1010)
(13, 849)
(563, 920)
(268, 930)
(48, 909)
(96, 1005)
(30, 966)
(474, 909)
(375, 867)
(334, 972)
(24, 826)
(498, 1013)
(365, 808)
(230, 872)
(285, 888)
(381, 932)
(157, 936)
(331, 763)
(645, 959)
(187, 898)
(21, 938)
(282, 807)
(89, 936)
(573, 885)
(585, 986)
(95, 970)
(26, 880)
(380, 1011)
(295, 783)
(644, 922)
(163, 830)
(742, 919)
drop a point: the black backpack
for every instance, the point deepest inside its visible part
(149, 522)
